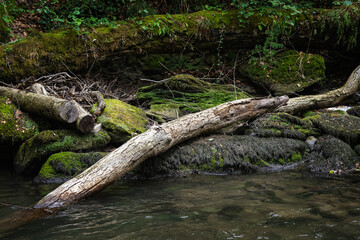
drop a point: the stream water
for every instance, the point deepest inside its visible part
(285, 205)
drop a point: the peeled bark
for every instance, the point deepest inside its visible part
(325, 100)
(156, 140)
(50, 107)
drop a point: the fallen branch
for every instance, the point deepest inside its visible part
(156, 140)
(101, 103)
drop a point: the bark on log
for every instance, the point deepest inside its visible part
(325, 100)
(50, 107)
(156, 140)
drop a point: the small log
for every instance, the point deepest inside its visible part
(101, 103)
(42, 105)
(156, 140)
(50, 107)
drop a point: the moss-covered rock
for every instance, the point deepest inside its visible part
(190, 93)
(283, 125)
(15, 126)
(331, 154)
(287, 72)
(226, 153)
(34, 152)
(122, 120)
(59, 167)
(344, 127)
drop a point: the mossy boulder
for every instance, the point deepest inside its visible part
(287, 72)
(344, 127)
(34, 152)
(59, 167)
(15, 126)
(223, 153)
(283, 125)
(190, 93)
(331, 155)
(122, 120)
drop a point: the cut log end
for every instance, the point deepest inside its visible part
(85, 124)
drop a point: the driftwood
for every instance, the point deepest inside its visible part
(156, 140)
(50, 107)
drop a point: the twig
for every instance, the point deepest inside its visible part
(150, 80)
(167, 68)
(49, 77)
(6, 84)
(13, 206)
(71, 71)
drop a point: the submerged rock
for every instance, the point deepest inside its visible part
(59, 167)
(122, 120)
(34, 152)
(287, 72)
(190, 93)
(283, 125)
(331, 154)
(226, 153)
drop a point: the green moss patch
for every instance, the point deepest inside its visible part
(122, 120)
(62, 166)
(287, 72)
(15, 126)
(189, 93)
(34, 152)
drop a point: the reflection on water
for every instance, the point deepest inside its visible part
(273, 206)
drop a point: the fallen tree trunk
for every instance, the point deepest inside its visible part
(44, 53)
(156, 140)
(325, 100)
(50, 107)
